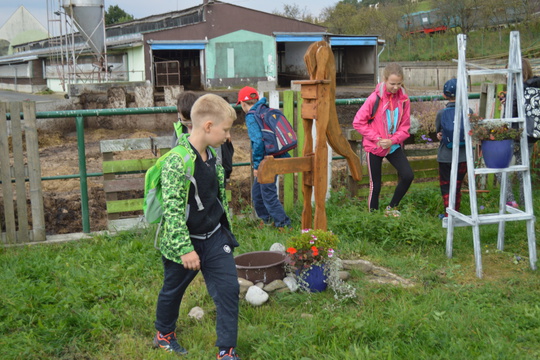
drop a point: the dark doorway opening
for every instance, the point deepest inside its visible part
(189, 65)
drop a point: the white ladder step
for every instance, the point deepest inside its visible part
(488, 219)
(512, 168)
(492, 72)
(508, 120)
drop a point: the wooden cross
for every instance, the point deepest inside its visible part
(319, 95)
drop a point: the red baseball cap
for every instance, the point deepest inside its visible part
(247, 93)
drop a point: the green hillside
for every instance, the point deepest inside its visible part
(481, 44)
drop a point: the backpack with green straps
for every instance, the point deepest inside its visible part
(153, 193)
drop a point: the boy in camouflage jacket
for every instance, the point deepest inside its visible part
(197, 234)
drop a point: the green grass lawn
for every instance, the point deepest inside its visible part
(95, 299)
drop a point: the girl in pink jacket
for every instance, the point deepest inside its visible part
(384, 134)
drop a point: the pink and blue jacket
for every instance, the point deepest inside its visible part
(392, 108)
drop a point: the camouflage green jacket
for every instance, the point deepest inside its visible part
(175, 240)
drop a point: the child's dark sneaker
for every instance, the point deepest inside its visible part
(231, 355)
(169, 343)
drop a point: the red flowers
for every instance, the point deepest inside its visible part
(310, 247)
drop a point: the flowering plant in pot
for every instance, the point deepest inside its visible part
(309, 255)
(493, 130)
(311, 247)
(497, 139)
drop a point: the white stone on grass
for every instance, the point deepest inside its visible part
(256, 296)
(277, 247)
(291, 283)
(196, 313)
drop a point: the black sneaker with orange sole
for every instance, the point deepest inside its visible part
(169, 343)
(231, 355)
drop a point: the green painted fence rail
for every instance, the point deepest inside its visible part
(79, 116)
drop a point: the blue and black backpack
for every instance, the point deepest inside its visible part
(447, 124)
(277, 133)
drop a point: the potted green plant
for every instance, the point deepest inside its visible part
(496, 138)
(310, 255)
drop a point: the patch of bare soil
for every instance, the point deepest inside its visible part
(62, 198)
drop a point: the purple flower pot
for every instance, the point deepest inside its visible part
(497, 153)
(314, 277)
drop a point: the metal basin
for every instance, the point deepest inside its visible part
(261, 266)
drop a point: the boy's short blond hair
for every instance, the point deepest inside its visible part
(211, 107)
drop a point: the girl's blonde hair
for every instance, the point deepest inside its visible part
(393, 69)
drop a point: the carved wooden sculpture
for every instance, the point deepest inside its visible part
(320, 64)
(319, 94)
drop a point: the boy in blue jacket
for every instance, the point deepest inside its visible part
(265, 197)
(444, 154)
(196, 231)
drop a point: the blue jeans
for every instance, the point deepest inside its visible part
(219, 271)
(267, 205)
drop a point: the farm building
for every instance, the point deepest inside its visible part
(210, 46)
(21, 27)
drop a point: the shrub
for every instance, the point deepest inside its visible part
(425, 112)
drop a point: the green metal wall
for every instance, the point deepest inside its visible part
(27, 36)
(240, 55)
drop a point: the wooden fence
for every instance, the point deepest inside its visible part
(18, 166)
(123, 179)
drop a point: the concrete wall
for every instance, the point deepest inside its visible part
(101, 88)
(55, 85)
(25, 88)
(23, 77)
(22, 70)
(122, 95)
(433, 75)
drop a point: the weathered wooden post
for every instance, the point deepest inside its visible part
(15, 169)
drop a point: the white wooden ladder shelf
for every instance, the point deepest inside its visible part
(506, 213)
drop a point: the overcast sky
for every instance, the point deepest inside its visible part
(143, 8)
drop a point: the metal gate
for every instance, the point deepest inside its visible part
(167, 73)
